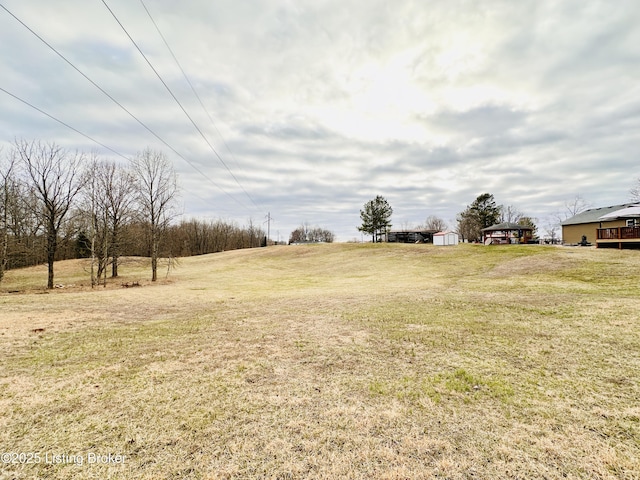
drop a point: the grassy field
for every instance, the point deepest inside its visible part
(328, 361)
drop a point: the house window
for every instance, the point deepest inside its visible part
(632, 222)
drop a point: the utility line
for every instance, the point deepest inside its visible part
(113, 100)
(63, 123)
(70, 127)
(177, 101)
(186, 77)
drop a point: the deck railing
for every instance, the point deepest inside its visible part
(630, 232)
(608, 233)
(619, 233)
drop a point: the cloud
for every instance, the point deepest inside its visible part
(319, 106)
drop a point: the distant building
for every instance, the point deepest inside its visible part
(409, 236)
(617, 226)
(446, 238)
(506, 233)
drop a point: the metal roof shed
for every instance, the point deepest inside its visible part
(445, 238)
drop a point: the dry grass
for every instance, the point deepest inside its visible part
(332, 361)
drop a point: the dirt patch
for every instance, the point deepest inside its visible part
(534, 264)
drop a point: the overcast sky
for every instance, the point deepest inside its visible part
(314, 107)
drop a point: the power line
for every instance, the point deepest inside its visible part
(186, 77)
(113, 100)
(178, 102)
(63, 123)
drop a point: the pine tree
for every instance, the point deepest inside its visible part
(376, 217)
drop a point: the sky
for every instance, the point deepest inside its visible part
(304, 110)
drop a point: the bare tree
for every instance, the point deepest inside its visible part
(435, 223)
(510, 214)
(156, 191)
(253, 234)
(24, 225)
(197, 237)
(307, 234)
(117, 187)
(572, 207)
(635, 191)
(96, 213)
(56, 178)
(575, 206)
(7, 183)
(468, 226)
(551, 230)
(405, 226)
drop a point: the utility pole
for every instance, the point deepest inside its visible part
(268, 222)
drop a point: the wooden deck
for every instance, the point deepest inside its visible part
(618, 236)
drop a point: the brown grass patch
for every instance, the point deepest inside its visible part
(354, 361)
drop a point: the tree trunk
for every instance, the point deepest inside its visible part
(52, 245)
(114, 252)
(154, 257)
(3, 253)
(114, 266)
(4, 248)
(93, 249)
(105, 258)
(154, 268)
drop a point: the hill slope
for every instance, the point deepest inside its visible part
(327, 361)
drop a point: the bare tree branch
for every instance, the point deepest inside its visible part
(635, 191)
(435, 223)
(575, 206)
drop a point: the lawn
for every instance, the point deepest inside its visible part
(327, 361)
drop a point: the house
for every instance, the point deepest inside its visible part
(617, 226)
(410, 236)
(506, 233)
(445, 238)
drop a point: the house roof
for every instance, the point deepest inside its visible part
(416, 230)
(593, 214)
(628, 212)
(506, 226)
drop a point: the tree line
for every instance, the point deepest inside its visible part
(56, 204)
(305, 233)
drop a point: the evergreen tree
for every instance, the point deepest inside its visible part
(376, 217)
(482, 213)
(529, 222)
(83, 245)
(485, 210)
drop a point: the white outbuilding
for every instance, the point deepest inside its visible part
(445, 238)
